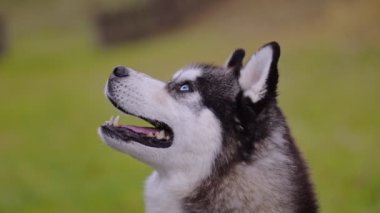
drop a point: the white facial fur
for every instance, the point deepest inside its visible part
(255, 73)
(189, 159)
(187, 74)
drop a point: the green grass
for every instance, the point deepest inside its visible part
(51, 87)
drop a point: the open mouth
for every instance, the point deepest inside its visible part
(159, 136)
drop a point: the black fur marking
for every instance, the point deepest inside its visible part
(272, 79)
(235, 62)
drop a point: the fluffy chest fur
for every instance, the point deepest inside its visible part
(271, 182)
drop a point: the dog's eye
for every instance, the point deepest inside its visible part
(185, 88)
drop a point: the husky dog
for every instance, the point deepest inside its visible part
(219, 142)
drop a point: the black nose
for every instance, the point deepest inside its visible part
(120, 71)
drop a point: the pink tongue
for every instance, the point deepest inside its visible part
(142, 130)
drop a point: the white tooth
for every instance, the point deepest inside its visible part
(150, 134)
(116, 121)
(167, 137)
(161, 135)
(109, 122)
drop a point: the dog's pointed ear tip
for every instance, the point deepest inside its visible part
(236, 58)
(274, 45)
(239, 52)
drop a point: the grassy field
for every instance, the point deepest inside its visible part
(51, 87)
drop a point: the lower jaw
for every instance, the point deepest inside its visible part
(146, 141)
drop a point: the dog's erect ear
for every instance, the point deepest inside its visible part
(259, 77)
(235, 61)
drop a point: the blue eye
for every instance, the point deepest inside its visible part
(184, 88)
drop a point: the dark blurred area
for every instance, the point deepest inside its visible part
(146, 18)
(2, 36)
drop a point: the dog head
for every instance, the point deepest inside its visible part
(194, 113)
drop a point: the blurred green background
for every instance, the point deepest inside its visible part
(53, 72)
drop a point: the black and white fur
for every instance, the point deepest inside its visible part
(227, 147)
